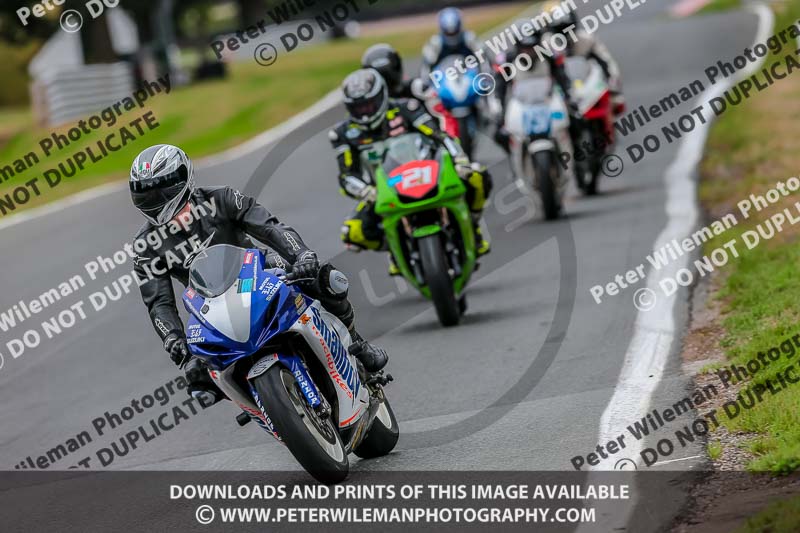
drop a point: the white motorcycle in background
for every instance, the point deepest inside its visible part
(595, 139)
(538, 123)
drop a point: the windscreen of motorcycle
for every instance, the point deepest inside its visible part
(532, 90)
(457, 90)
(405, 148)
(215, 269)
(214, 274)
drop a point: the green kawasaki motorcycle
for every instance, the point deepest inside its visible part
(427, 223)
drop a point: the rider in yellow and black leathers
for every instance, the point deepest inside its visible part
(375, 117)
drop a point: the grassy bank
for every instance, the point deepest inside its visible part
(207, 118)
(720, 5)
(751, 148)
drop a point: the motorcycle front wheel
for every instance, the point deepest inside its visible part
(437, 276)
(313, 441)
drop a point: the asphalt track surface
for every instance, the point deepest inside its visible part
(521, 384)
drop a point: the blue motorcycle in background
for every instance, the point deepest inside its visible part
(284, 361)
(458, 102)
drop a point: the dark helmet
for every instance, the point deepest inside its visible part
(450, 26)
(366, 97)
(528, 42)
(560, 19)
(385, 59)
(161, 182)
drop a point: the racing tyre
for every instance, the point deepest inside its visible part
(584, 163)
(546, 176)
(595, 160)
(437, 275)
(465, 135)
(383, 434)
(313, 441)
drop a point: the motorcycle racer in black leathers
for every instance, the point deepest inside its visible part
(583, 44)
(387, 61)
(374, 117)
(163, 189)
(452, 39)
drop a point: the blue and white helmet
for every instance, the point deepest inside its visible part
(161, 182)
(450, 26)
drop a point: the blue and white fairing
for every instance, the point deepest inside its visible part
(458, 92)
(250, 310)
(256, 308)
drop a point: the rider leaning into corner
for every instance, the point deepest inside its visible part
(586, 45)
(163, 189)
(375, 117)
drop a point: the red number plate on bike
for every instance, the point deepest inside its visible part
(415, 179)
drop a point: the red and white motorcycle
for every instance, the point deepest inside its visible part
(595, 138)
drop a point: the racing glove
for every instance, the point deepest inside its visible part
(463, 167)
(368, 194)
(178, 349)
(306, 266)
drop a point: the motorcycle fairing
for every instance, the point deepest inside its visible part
(275, 308)
(264, 305)
(460, 92)
(329, 339)
(415, 179)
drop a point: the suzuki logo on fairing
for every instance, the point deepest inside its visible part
(338, 352)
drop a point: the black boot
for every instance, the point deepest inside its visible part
(201, 386)
(372, 357)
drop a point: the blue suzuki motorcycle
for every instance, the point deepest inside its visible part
(283, 360)
(459, 102)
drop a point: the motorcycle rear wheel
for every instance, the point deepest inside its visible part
(435, 268)
(313, 441)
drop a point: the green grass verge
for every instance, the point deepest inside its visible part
(207, 118)
(782, 515)
(750, 149)
(714, 450)
(720, 5)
